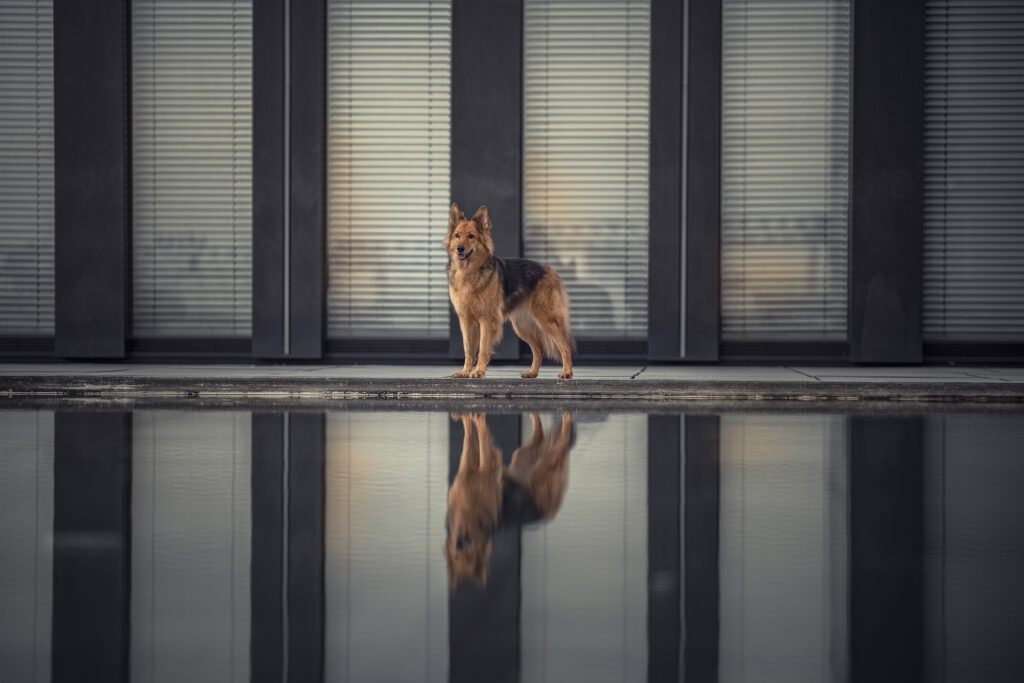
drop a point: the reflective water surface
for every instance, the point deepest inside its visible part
(579, 546)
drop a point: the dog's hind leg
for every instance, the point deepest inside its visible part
(556, 327)
(528, 332)
(470, 341)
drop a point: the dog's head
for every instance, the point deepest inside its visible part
(467, 549)
(468, 241)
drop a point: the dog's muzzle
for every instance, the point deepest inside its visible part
(463, 254)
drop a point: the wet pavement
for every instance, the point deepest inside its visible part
(445, 545)
(608, 387)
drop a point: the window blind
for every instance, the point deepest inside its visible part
(26, 168)
(785, 158)
(974, 171)
(192, 168)
(388, 187)
(586, 111)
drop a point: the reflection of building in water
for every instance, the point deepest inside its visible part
(191, 536)
(386, 591)
(584, 576)
(783, 496)
(26, 532)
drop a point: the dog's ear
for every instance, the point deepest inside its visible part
(483, 219)
(454, 216)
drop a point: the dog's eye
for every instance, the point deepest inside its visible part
(456, 235)
(471, 236)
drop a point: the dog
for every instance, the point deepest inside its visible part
(484, 495)
(486, 290)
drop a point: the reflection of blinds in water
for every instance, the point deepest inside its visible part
(192, 168)
(191, 528)
(584, 572)
(26, 167)
(388, 139)
(785, 157)
(974, 536)
(385, 579)
(585, 136)
(784, 548)
(26, 536)
(974, 171)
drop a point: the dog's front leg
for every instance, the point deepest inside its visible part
(490, 334)
(470, 340)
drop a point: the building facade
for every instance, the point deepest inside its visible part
(714, 179)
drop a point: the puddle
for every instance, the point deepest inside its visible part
(622, 546)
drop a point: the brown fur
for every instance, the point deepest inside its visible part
(540, 466)
(475, 287)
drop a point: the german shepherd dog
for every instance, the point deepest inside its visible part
(487, 290)
(484, 496)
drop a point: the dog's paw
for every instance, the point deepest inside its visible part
(460, 373)
(476, 374)
(566, 374)
(528, 374)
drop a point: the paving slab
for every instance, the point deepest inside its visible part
(719, 373)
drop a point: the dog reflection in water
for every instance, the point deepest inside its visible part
(484, 493)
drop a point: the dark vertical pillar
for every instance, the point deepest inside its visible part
(483, 622)
(266, 638)
(665, 267)
(487, 124)
(887, 200)
(700, 541)
(91, 546)
(306, 503)
(307, 183)
(288, 159)
(268, 179)
(886, 549)
(664, 621)
(91, 178)
(702, 186)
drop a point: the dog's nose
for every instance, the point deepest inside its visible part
(461, 248)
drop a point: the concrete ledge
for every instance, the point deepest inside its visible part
(286, 388)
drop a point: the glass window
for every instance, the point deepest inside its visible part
(586, 84)
(388, 151)
(785, 175)
(192, 168)
(26, 168)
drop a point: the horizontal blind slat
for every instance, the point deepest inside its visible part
(26, 168)
(192, 168)
(586, 85)
(785, 158)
